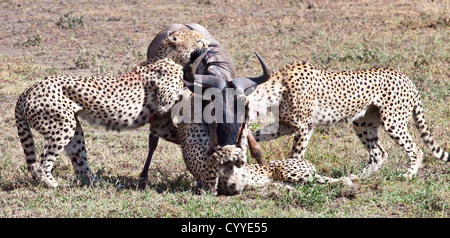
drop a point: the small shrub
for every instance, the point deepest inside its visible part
(69, 22)
(96, 59)
(34, 40)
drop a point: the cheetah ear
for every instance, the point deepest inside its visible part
(172, 39)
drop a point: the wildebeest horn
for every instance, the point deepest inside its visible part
(206, 81)
(251, 83)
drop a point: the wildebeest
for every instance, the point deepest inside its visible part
(217, 64)
(224, 129)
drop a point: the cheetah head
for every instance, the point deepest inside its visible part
(184, 44)
(231, 179)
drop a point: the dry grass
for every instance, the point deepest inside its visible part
(38, 39)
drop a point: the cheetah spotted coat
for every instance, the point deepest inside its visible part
(307, 97)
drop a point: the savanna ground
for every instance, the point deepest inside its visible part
(41, 38)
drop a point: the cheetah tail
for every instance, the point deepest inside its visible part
(425, 134)
(26, 138)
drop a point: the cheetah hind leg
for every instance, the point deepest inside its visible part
(366, 128)
(52, 149)
(76, 151)
(40, 171)
(399, 133)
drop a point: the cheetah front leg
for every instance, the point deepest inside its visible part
(301, 139)
(308, 170)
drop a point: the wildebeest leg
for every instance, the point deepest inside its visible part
(152, 143)
(255, 149)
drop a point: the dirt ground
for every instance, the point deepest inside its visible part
(120, 31)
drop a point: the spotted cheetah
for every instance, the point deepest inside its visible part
(232, 179)
(307, 97)
(53, 105)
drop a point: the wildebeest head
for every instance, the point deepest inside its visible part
(226, 112)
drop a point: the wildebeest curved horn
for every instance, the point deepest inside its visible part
(247, 84)
(206, 81)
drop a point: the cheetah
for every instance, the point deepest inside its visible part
(52, 106)
(232, 179)
(307, 97)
